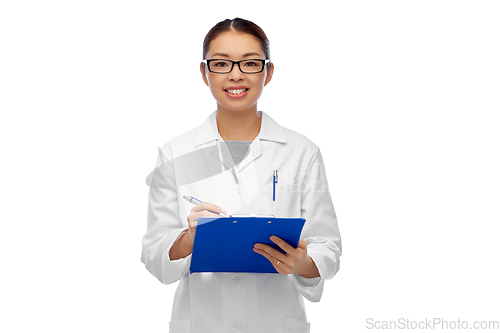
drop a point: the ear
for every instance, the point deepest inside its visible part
(202, 70)
(269, 75)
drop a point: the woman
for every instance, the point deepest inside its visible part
(229, 161)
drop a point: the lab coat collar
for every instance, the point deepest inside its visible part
(269, 130)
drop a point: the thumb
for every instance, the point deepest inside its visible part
(302, 245)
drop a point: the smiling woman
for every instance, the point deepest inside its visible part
(230, 161)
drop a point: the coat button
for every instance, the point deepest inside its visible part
(240, 326)
(237, 279)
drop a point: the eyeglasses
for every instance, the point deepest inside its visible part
(247, 66)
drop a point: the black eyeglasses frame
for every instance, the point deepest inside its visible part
(264, 62)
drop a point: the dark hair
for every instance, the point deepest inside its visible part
(239, 25)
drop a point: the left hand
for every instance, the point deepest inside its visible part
(294, 261)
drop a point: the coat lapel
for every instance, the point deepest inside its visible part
(208, 131)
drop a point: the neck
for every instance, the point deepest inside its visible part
(238, 125)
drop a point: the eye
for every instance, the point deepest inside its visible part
(219, 64)
(251, 64)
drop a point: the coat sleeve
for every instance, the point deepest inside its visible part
(164, 227)
(320, 232)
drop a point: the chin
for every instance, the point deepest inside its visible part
(234, 108)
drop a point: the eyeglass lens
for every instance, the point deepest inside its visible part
(247, 66)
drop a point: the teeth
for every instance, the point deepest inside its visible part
(236, 91)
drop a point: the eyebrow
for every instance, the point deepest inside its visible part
(245, 55)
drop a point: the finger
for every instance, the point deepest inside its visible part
(206, 206)
(193, 217)
(280, 268)
(193, 220)
(196, 216)
(269, 250)
(281, 243)
(302, 244)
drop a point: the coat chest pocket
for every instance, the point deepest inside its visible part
(287, 200)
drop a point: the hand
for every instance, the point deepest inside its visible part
(295, 261)
(199, 211)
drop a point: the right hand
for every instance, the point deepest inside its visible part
(200, 211)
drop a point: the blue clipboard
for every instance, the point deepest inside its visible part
(225, 244)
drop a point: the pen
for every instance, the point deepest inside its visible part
(195, 202)
(275, 180)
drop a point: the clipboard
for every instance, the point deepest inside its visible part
(225, 244)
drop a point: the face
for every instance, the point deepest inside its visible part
(236, 46)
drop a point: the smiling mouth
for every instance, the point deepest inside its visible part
(236, 91)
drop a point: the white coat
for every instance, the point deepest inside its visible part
(235, 302)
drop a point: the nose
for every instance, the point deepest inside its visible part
(236, 74)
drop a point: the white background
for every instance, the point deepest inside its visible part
(401, 96)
